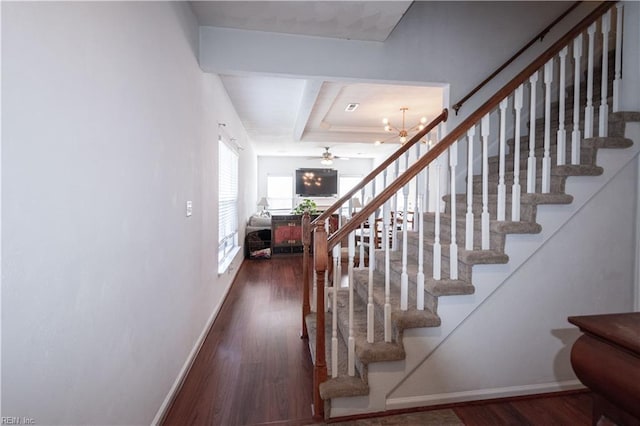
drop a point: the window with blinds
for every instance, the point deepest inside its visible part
(227, 205)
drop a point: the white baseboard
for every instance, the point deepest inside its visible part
(190, 359)
(481, 394)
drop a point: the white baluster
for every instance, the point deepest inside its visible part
(469, 217)
(531, 161)
(337, 273)
(603, 130)
(421, 190)
(327, 293)
(453, 248)
(484, 218)
(502, 191)
(351, 343)
(561, 137)
(575, 134)
(362, 246)
(618, 65)
(394, 219)
(546, 159)
(404, 277)
(515, 189)
(334, 331)
(372, 235)
(387, 270)
(437, 248)
(588, 109)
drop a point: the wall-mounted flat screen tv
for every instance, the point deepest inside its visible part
(316, 182)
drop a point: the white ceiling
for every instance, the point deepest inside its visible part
(298, 117)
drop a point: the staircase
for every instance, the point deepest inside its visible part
(382, 363)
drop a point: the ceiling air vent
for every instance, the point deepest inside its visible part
(351, 107)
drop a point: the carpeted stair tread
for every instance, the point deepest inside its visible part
(401, 320)
(367, 352)
(343, 386)
(447, 287)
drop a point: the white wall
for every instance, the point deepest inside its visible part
(109, 127)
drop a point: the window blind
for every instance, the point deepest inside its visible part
(227, 204)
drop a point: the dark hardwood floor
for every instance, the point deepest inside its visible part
(254, 369)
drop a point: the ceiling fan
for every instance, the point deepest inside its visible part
(327, 157)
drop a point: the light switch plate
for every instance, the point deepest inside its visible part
(189, 208)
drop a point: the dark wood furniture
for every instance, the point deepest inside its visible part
(606, 359)
(286, 232)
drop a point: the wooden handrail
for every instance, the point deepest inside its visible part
(539, 36)
(460, 130)
(375, 172)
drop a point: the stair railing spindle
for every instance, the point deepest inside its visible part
(453, 247)
(469, 216)
(531, 161)
(603, 130)
(394, 207)
(351, 343)
(484, 218)
(618, 64)
(334, 319)
(420, 205)
(404, 276)
(588, 109)
(561, 136)
(502, 189)
(372, 238)
(437, 248)
(546, 159)
(515, 189)
(386, 227)
(575, 134)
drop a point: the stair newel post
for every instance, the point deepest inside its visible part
(351, 344)
(561, 137)
(531, 161)
(334, 319)
(588, 109)
(603, 130)
(484, 218)
(320, 260)
(306, 242)
(469, 216)
(575, 134)
(386, 215)
(515, 189)
(453, 247)
(546, 159)
(404, 277)
(502, 188)
(618, 64)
